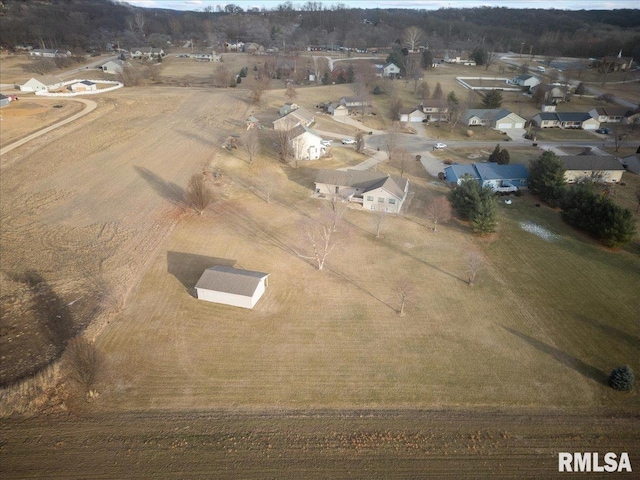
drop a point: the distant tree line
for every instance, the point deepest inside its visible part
(91, 24)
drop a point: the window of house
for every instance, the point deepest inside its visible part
(373, 207)
(380, 200)
(392, 201)
(369, 198)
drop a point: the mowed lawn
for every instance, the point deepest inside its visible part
(544, 324)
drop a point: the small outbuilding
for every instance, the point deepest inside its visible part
(231, 286)
(83, 86)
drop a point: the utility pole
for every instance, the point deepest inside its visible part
(521, 47)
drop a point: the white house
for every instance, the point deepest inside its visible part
(306, 144)
(338, 110)
(600, 169)
(48, 53)
(41, 84)
(230, 286)
(566, 120)
(113, 67)
(413, 115)
(390, 70)
(205, 56)
(83, 86)
(609, 114)
(497, 118)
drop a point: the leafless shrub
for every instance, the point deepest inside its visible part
(439, 211)
(404, 288)
(258, 88)
(251, 143)
(402, 160)
(198, 195)
(320, 239)
(130, 77)
(221, 77)
(474, 263)
(41, 66)
(83, 361)
(379, 219)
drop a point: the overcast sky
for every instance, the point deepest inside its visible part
(418, 4)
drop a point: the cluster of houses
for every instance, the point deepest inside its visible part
(48, 84)
(509, 178)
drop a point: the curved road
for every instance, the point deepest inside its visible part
(90, 106)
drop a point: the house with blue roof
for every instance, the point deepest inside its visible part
(500, 178)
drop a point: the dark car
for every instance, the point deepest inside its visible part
(604, 131)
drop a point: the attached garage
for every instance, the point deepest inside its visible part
(412, 115)
(231, 286)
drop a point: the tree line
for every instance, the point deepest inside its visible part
(91, 24)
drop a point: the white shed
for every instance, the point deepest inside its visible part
(230, 286)
(83, 86)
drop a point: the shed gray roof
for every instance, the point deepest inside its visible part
(231, 280)
(590, 162)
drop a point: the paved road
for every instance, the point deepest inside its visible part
(90, 105)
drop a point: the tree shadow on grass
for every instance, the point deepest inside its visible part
(167, 190)
(617, 334)
(188, 267)
(564, 358)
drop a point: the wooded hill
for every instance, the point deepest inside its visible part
(89, 25)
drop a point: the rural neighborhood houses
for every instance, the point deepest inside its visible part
(527, 82)
(113, 67)
(49, 53)
(610, 114)
(435, 110)
(599, 169)
(390, 70)
(374, 190)
(411, 114)
(231, 286)
(147, 52)
(498, 177)
(497, 118)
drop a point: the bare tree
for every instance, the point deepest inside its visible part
(474, 263)
(258, 88)
(320, 238)
(379, 219)
(412, 37)
(620, 135)
(129, 76)
(41, 66)
(337, 208)
(392, 141)
(251, 143)
(291, 92)
(83, 361)
(152, 71)
(140, 22)
(439, 211)
(490, 60)
(424, 91)
(413, 70)
(395, 105)
(221, 77)
(404, 288)
(402, 160)
(284, 144)
(359, 142)
(198, 195)
(268, 182)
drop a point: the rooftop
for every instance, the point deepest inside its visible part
(230, 280)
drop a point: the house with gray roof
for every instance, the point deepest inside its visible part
(497, 118)
(374, 190)
(526, 81)
(497, 177)
(231, 286)
(610, 114)
(581, 120)
(300, 116)
(599, 169)
(41, 84)
(632, 162)
(113, 67)
(306, 144)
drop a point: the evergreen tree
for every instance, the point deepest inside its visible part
(581, 90)
(350, 74)
(465, 197)
(427, 59)
(493, 99)
(377, 91)
(479, 55)
(437, 92)
(546, 177)
(452, 98)
(495, 154)
(485, 216)
(396, 57)
(622, 379)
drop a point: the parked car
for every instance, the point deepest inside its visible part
(348, 141)
(440, 146)
(326, 143)
(604, 131)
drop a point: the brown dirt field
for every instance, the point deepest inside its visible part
(31, 113)
(407, 444)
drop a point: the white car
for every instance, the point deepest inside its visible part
(326, 143)
(440, 146)
(348, 141)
